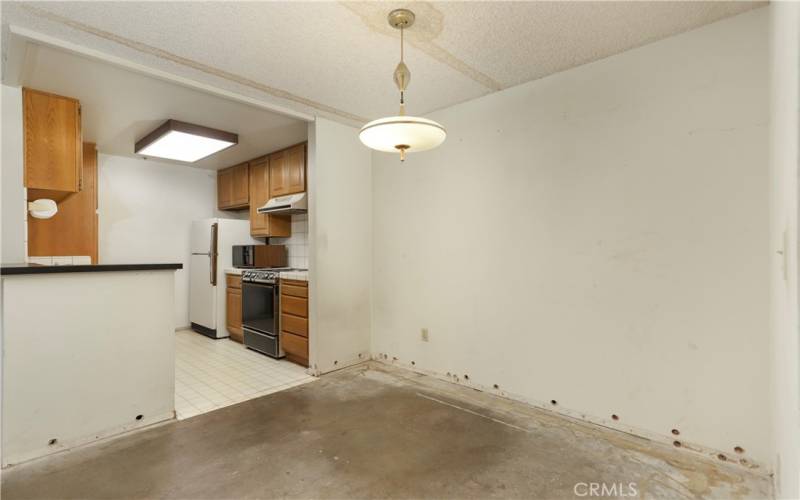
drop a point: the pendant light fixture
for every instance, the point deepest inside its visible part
(402, 133)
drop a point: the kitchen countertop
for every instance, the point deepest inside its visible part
(233, 270)
(295, 275)
(30, 268)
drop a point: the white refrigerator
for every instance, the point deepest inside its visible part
(211, 244)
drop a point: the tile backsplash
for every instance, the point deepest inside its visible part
(297, 244)
(61, 260)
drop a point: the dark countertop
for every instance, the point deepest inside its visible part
(9, 269)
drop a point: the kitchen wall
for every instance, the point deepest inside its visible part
(14, 212)
(297, 243)
(340, 230)
(599, 238)
(145, 211)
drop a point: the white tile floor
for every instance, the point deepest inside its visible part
(211, 374)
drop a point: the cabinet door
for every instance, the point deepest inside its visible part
(52, 141)
(233, 308)
(224, 188)
(241, 186)
(259, 195)
(73, 231)
(277, 174)
(295, 169)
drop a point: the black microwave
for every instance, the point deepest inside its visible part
(259, 256)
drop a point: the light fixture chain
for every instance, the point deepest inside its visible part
(402, 93)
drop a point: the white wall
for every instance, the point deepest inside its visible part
(14, 215)
(146, 209)
(83, 355)
(598, 237)
(340, 239)
(785, 131)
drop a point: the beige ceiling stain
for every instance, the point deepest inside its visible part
(169, 56)
(427, 27)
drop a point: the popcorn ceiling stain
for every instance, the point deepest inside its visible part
(427, 26)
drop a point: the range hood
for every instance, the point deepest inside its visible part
(289, 204)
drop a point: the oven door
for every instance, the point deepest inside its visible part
(260, 318)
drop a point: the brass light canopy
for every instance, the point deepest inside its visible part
(402, 133)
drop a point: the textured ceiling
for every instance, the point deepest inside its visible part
(336, 59)
(120, 107)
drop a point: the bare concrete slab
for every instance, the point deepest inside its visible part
(374, 431)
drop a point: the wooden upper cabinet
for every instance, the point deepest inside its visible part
(287, 171)
(263, 225)
(259, 194)
(52, 141)
(224, 188)
(241, 185)
(233, 187)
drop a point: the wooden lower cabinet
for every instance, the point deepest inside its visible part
(294, 320)
(233, 307)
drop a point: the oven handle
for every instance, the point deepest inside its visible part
(256, 283)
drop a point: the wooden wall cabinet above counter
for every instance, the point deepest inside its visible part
(262, 225)
(252, 184)
(233, 187)
(287, 171)
(52, 142)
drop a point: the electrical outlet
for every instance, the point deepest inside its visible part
(424, 333)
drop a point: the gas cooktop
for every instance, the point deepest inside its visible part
(266, 275)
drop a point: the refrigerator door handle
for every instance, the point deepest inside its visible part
(213, 254)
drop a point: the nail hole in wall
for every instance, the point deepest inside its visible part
(553, 402)
(738, 449)
(676, 432)
(614, 417)
(722, 457)
(335, 362)
(677, 444)
(466, 377)
(496, 386)
(413, 363)
(52, 441)
(139, 417)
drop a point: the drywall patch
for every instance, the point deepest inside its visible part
(427, 26)
(195, 65)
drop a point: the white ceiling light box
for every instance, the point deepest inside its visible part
(181, 141)
(402, 133)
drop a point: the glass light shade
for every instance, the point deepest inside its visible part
(184, 147)
(393, 133)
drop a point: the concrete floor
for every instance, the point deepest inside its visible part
(374, 431)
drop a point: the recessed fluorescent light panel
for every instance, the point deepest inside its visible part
(183, 141)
